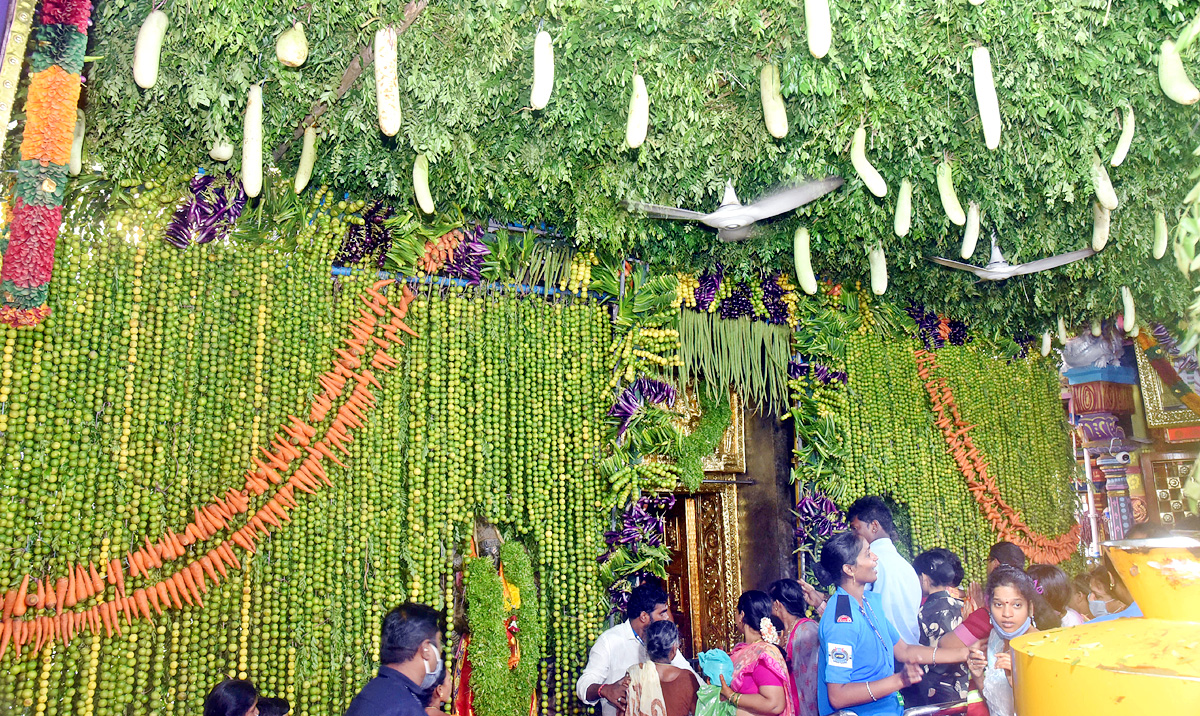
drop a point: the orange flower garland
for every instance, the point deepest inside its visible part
(1007, 522)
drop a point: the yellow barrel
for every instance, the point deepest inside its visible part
(1124, 666)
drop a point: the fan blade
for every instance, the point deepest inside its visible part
(954, 264)
(1051, 262)
(657, 211)
(741, 233)
(792, 197)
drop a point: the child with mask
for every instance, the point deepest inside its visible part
(1015, 608)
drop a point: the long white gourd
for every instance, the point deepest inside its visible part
(862, 165)
(950, 203)
(1097, 328)
(1160, 235)
(1129, 315)
(639, 114)
(1105, 194)
(803, 258)
(971, 233)
(985, 96)
(76, 164)
(1046, 343)
(903, 220)
(252, 130)
(387, 83)
(1100, 225)
(818, 27)
(421, 184)
(1126, 139)
(1062, 331)
(308, 159)
(148, 48)
(878, 263)
(543, 71)
(1173, 78)
(774, 110)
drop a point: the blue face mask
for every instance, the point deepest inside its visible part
(1097, 607)
(1009, 636)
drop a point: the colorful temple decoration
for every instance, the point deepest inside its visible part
(54, 87)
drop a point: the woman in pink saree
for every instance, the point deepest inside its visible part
(760, 673)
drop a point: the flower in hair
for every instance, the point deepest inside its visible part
(768, 631)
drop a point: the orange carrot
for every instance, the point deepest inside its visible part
(10, 602)
(19, 605)
(187, 586)
(70, 598)
(382, 283)
(5, 636)
(60, 593)
(40, 604)
(239, 538)
(403, 326)
(372, 305)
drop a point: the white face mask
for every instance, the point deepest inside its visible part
(432, 677)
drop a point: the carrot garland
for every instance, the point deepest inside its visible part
(188, 583)
(1007, 522)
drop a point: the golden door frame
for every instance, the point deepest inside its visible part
(711, 544)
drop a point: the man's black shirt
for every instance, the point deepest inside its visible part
(388, 694)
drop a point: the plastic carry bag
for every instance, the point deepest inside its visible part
(709, 703)
(716, 663)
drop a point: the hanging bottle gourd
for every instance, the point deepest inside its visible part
(1173, 78)
(1105, 194)
(1100, 225)
(902, 222)
(308, 159)
(1129, 315)
(421, 184)
(148, 49)
(1062, 331)
(387, 84)
(985, 96)
(877, 261)
(803, 258)
(1125, 140)
(1160, 234)
(543, 71)
(291, 47)
(639, 114)
(252, 129)
(971, 232)
(774, 110)
(76, 164)
(950, 203)
(818, 27)
(863, 167)
(1046, 344)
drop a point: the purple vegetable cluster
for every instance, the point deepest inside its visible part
(369, 238)
(929, 327)
(632, 399)
(737, 303)
(210, 212)
(817, 517)
(468, 257)
(706, 292)
(642, 523)
(800, 366)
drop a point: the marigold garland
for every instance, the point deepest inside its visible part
(974, 467)
(45, 149)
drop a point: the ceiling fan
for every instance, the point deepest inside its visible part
(733, 220)
(998, 269)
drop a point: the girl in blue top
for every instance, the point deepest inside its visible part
(859, 646)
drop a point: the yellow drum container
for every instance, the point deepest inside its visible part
(1125, 666)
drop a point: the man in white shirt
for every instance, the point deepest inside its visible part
(897, 584)
(603, 679)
